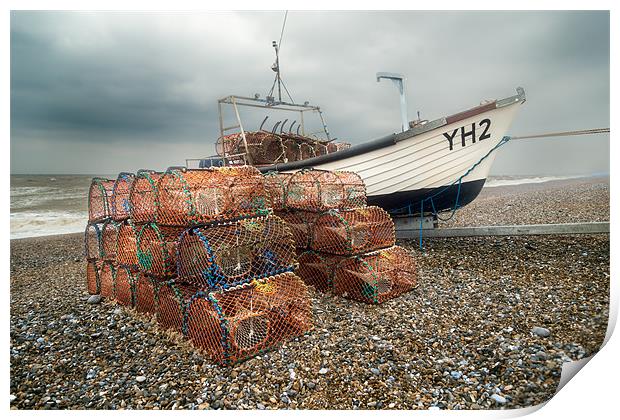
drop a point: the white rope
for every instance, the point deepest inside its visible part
(563, 133)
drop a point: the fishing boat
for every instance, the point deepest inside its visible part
(427, 168)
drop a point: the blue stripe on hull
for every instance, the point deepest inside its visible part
(444, 198)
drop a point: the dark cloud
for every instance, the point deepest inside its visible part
(110, 91)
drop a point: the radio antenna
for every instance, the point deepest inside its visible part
(276, 68)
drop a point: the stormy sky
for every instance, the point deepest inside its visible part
(103, 92)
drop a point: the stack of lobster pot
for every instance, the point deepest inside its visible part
(344, 246)
(202, 251)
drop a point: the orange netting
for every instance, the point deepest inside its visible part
(127, 251)
(300, 223)
(124, 286)
(106, 279)
(92, 242)
(109, 240)
(317, 190)
(172, 302)
(99, 196)
(92, 276)
(192, 197)
(157, 248)
(353, 231)
(371, 278)
(233, 253)
(120, 208)
(242, 322)
(143, 196)
(147, 288)
(276, 184)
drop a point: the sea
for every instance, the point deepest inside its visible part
(55, 204)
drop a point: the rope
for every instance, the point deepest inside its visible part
(563, 133)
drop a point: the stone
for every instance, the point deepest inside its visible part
(375, 371)
(498, 399)
(323, 371)
(541, 332)
(140, 379)
(94, 299)
(311, 385)
(260, 406)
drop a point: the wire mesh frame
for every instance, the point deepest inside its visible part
(354, 231)
(93, 284)
(143, 196)
(121, 207)
(275, 185)
(193, 197)
(92, 242)
(172, 304)
(106, 279)
(376, 277)
(229, 254)
(318, 190)
(99, 195)
(125, 286)
(147, 290)
(237, 324)
(371, 278)
(264, 147)
(300, 224)
(109, 240)
(157, 249)
(127, 244)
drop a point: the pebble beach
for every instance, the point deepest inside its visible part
(489, 326)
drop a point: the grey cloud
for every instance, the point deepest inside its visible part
(138, 89)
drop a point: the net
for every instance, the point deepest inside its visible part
(124, 286)
(300, 224)
(172, 302)
(109, 240)
(92, 277)
(337, 146)
(264, 148)
(353, 231)
(99, 196)
(292, 151)
(127, 248)
(106, 279)
(275, 186)
(143, 196)
(317, 190)
(234, 325)
(120, 209)
(234, 253)
(147, 288)
(193, 197)
(157, 248)
(92, 242)
(371, 278)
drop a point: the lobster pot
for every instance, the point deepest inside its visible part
(125, 286)
(375, 277)
(242, 322)
(316, 190)
(106, 279)
(99, 196)
(292, 152)
(127, 245)
(264, 148)
(317, 269)
(337, 146)
(172, 302)
(92, 277)
(120, 196)
(143, 197)
(109, 240)
(92, 242)
(234, 253)
(320, 149)
(229, 144)
(147, 289)
(275, 186)
(300, 224)
(353, 231)
(193, 197)
(157, 249)
(306, 150)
